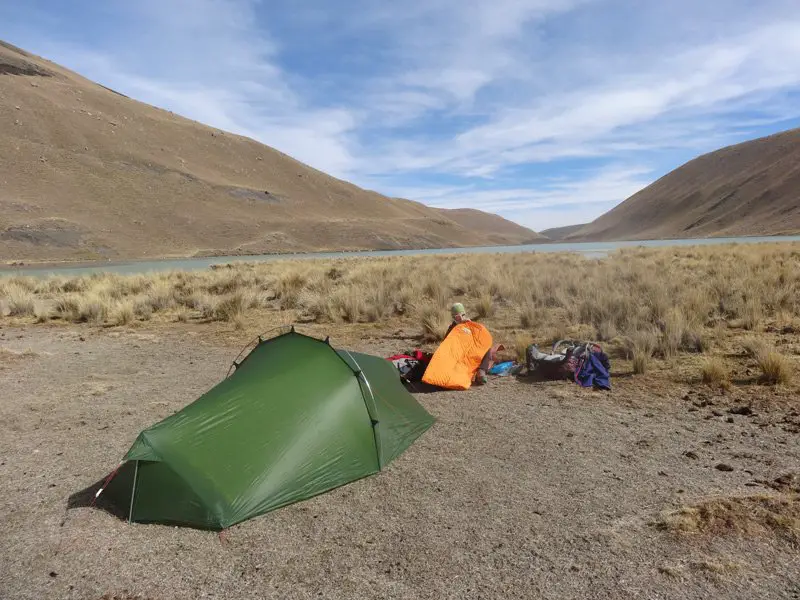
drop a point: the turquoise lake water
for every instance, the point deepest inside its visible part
(591, 249)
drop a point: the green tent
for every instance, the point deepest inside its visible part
(295, 419)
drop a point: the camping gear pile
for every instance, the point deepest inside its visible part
(456, 361)
(585, 363)
(411, 365)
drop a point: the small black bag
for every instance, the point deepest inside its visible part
(556, 365)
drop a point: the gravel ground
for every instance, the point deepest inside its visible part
(520, 490)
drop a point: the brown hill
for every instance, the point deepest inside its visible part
(557, 234)
(88, 173)
(752, 188)
(496, 229)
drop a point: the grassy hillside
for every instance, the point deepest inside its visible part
(91, 174)
(751, 188)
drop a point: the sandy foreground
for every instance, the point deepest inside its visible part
(520, 490)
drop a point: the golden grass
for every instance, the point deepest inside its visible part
(674, 329)
(745, 515)
(123, 313)
(520, 346)
(775, 367)
(43, 313)
(434, 323)
(19, 299)
(652, 303)
(529, 316)
(714, 372)
(484, 306)
(640, 346)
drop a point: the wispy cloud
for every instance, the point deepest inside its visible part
(545, 111)
(551, 202)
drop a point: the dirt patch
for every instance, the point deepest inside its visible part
(256, 195)
(520, 489)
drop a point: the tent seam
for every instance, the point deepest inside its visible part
(184, 480)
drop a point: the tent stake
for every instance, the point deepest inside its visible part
(133, 489)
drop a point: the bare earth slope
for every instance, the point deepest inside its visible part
(88, 173)
(751, 188)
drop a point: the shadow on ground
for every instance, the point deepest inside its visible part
(420, 387)
(85, 498)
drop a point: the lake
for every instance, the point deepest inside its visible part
(589, 249)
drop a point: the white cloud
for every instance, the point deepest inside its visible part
(552, 202)
(678, 92)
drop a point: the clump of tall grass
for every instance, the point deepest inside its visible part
(43, 313)
(19, 299)
(67, 306)
(434, 322)
(349, 305)
(752, 314)
(640, 346)
(123, 313)
(161, 295)
(92, 308)
(436, 290)
(714, 372)
(232, 306)
(142, 307)
(520, 346)
(529, 316)
(484, 306)
(674, 332)
(288, 289)
(775, 367)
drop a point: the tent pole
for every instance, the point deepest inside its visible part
(360, 375)
(133, 489)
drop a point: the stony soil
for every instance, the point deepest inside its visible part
(520, 490)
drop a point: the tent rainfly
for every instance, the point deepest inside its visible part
(295, 419)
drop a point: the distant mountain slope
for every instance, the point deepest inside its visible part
(495, 228)
(559, 233)
(752, 188)
(88, 173)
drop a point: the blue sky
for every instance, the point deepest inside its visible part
(548, 112)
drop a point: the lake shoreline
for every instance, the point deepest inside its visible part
(143, 265)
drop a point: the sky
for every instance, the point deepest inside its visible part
(546, 112)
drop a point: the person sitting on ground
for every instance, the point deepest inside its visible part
(460, 316)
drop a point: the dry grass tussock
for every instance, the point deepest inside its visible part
(714, 372)
(653, 303)
(775, 367)
(745, 515)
